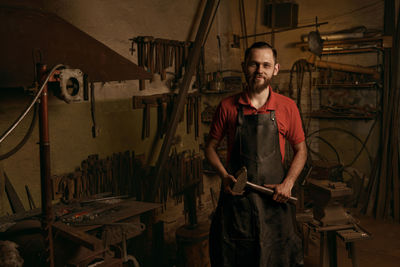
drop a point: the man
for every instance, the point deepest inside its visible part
(252, 229)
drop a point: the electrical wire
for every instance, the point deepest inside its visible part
(29, 107)
(363, 146)
(25, 138)
(304, 21)
(299, 67)
(347, 132)
(332, 147)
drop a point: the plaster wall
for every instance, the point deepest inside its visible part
(340, 15)
(114, 23)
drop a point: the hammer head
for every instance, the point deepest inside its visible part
(241, 180)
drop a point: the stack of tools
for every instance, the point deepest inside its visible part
(164, 104)
(156, 55)
(185, 169)
(119, 174)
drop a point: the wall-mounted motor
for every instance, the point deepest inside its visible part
(71, 85)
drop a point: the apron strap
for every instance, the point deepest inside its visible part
(272, 115)
(240, 119)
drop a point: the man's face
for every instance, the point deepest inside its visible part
(259, 68)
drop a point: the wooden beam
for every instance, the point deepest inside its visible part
(77, 236)
(183, 90)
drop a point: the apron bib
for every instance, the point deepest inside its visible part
(253, 229)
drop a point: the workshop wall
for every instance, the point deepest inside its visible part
(120, 126)
(112, 23)
(340, 15)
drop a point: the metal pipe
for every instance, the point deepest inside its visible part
(47, 217)
(338, 36)
(343, 67)
(284, 30)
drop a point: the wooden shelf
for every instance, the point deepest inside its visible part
(351, 51)
(371, 85)
(349, 116)
(221, 92)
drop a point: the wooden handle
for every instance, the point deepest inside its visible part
(268, 191)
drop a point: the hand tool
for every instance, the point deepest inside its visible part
(242, 182)
(197, 99)
(162, 115)
(140, 52)
(146, 118)
(189, 114)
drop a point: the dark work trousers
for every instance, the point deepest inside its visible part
(252, 229)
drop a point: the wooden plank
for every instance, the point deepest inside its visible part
(77, 236)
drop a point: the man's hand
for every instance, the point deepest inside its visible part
(227, 182)
(283, 191)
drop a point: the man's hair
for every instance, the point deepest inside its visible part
(260, 45)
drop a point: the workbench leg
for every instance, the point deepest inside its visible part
(331, 238)
(323, 250)
(351, 250)
(306, 238)
(327, 254)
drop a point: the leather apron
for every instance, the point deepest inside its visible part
(252, 229)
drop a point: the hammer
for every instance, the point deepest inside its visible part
(241, 183)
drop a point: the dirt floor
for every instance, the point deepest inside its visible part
(382, 250)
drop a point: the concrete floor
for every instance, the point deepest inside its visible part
(383, 250)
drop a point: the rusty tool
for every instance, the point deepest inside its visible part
(197, 99)
(162, 115)
(189, 114)
(242, 183)
(146, 117)
(140, 53)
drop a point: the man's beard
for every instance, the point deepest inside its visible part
(258, 87)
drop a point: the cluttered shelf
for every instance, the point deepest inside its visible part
(326, 114)
(348, 85)
(352, 45)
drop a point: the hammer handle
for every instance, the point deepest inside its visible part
(267, 191)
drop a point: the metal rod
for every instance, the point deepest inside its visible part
(47, 218)
(283, 30)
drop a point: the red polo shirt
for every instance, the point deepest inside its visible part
(286, 113)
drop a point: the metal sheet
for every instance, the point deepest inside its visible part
(25, 31)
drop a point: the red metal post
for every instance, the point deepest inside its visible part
(47, 212)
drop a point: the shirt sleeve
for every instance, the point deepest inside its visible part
(295, 134)
(218, 125)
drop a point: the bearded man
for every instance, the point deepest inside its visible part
(251, 229)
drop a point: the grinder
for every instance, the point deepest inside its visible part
(242, 182)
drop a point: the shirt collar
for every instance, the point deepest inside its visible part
(269, 105)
